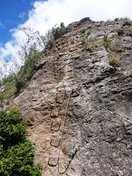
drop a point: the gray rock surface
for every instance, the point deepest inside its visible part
(78, 106)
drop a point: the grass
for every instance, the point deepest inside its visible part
(114, 60)
(108, 43)
(90, 44)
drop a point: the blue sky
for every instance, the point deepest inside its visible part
(12, 13)
(41, 15)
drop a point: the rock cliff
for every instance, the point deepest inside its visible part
(78, 104)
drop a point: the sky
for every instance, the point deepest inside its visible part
(41, 15)
(12, 13)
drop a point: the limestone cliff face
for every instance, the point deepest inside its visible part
(78, 106)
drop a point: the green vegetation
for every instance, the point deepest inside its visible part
(26, 71)
(14, 83)
(127, 22)
(113, 59)
(111, 46)
(59, 31)
(1, 97)
(9, 88)
(53, 34)
(16, 152)
(107, 43)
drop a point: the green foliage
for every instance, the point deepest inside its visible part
(53, 34)
(9, 88)
(18, 160)
(9, 78)
(12, 128)
(30, 60)
(107, 43)
(1, 97)
(16, 82)
(20, 84)
(113, 46)
(59, 31)
(16, 153)
(27, 70)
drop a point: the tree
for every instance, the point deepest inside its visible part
(16, 152)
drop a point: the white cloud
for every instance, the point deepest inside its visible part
(46, 14)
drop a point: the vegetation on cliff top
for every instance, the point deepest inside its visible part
(14, 83)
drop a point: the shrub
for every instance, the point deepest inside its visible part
(127, 22)
(12, 128)
(120, 32)
(14, 83)
(26, 72)
(19, 161)
(1, 97)
(59, 31)
(9, 87)
(7, 79)
(30, 60)
(107, 43)
(20, 84)
(53, 34)
(30, 56)
(16, 152)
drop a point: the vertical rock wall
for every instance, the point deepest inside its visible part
(78, 107)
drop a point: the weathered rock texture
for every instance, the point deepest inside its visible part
(78, 107)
